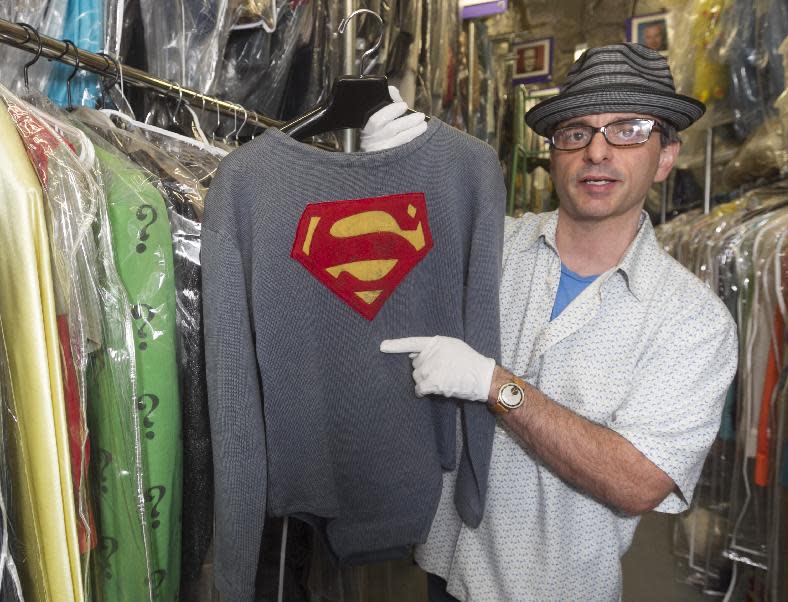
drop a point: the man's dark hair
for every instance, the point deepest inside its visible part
(668, 134)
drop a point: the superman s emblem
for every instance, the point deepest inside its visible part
(362, 249)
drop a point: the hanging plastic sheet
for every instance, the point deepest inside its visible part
(752, 34)
(695, 56)
(184, 196)
(143, 256)
(281, 73)
(122, 567)
(403, 49)
(10, 584)
(45, 16)
(185, 40)
(41, 461)
(443, 55)
(761, 156)
(740, 251)
(84, 26)
(69, 215)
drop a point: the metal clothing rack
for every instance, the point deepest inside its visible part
(28, 39)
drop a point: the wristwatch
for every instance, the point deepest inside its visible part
(510, 397)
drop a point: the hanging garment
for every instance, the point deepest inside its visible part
(84, 27)
(276, 73)
(183, 195)
(78, 205)
(69, 220)
(10, 584)
(47, 516)
(143, 255)
(310, 259)
(185, 40)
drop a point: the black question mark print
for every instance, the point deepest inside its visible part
(157, 580)
(142, 211)
(147, 421)
(109, 545)
(155, 493)
(105, 459)
(146, 313)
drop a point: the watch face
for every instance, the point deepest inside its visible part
(511, 396)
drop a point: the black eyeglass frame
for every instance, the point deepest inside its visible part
(655, 125)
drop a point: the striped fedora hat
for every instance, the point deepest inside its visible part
(621, 78)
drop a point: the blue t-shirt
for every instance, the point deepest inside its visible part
(569, 287)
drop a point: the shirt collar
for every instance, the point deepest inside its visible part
(633, 266)
(548, 223)
(636, 266)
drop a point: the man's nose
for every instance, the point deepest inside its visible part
(598, 149)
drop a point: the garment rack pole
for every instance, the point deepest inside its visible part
(54, 49)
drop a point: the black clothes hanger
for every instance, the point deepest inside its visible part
(28, 30)
(352, 100)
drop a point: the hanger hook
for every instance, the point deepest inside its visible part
(343, 24)
(68, 43)
(218, 123)
(105, 88)
(243, 125)
(28, 30)
(235, 125)
(180, 98)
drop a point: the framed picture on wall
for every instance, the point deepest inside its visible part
(649, 30)
(533, 61)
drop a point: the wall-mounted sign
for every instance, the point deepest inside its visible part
(533, 61)
(473, 9)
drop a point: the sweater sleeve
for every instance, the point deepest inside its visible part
(234, 399)
(482, 332)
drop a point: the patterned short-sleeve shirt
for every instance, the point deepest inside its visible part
(646, 350)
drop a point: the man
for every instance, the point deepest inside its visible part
(615, 359)
(654, 36)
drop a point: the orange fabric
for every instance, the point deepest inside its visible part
(762, 463)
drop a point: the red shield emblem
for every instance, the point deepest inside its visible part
(362, 249)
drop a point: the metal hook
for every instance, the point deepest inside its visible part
(28, 30)
(343, 24)
(105, 88)
(180, 98)
(235, 125)
(68, 43)
(73, 73)
(246, 117)
(218, 123)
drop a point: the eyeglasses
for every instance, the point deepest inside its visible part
(628, 132)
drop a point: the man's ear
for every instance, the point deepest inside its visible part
(667, 158)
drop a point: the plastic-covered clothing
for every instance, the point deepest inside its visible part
(45, 16)
(69, 217)
(99, 311)
(83, 26)
(183, 195)
(10, 584)
(185, 40)
(143, 255)
(41, 468)
(280, 74)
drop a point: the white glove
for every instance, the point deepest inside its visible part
(445, 366)
(387, 128)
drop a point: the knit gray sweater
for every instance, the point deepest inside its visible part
(310, 259)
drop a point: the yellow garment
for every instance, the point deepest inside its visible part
(44, 503)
